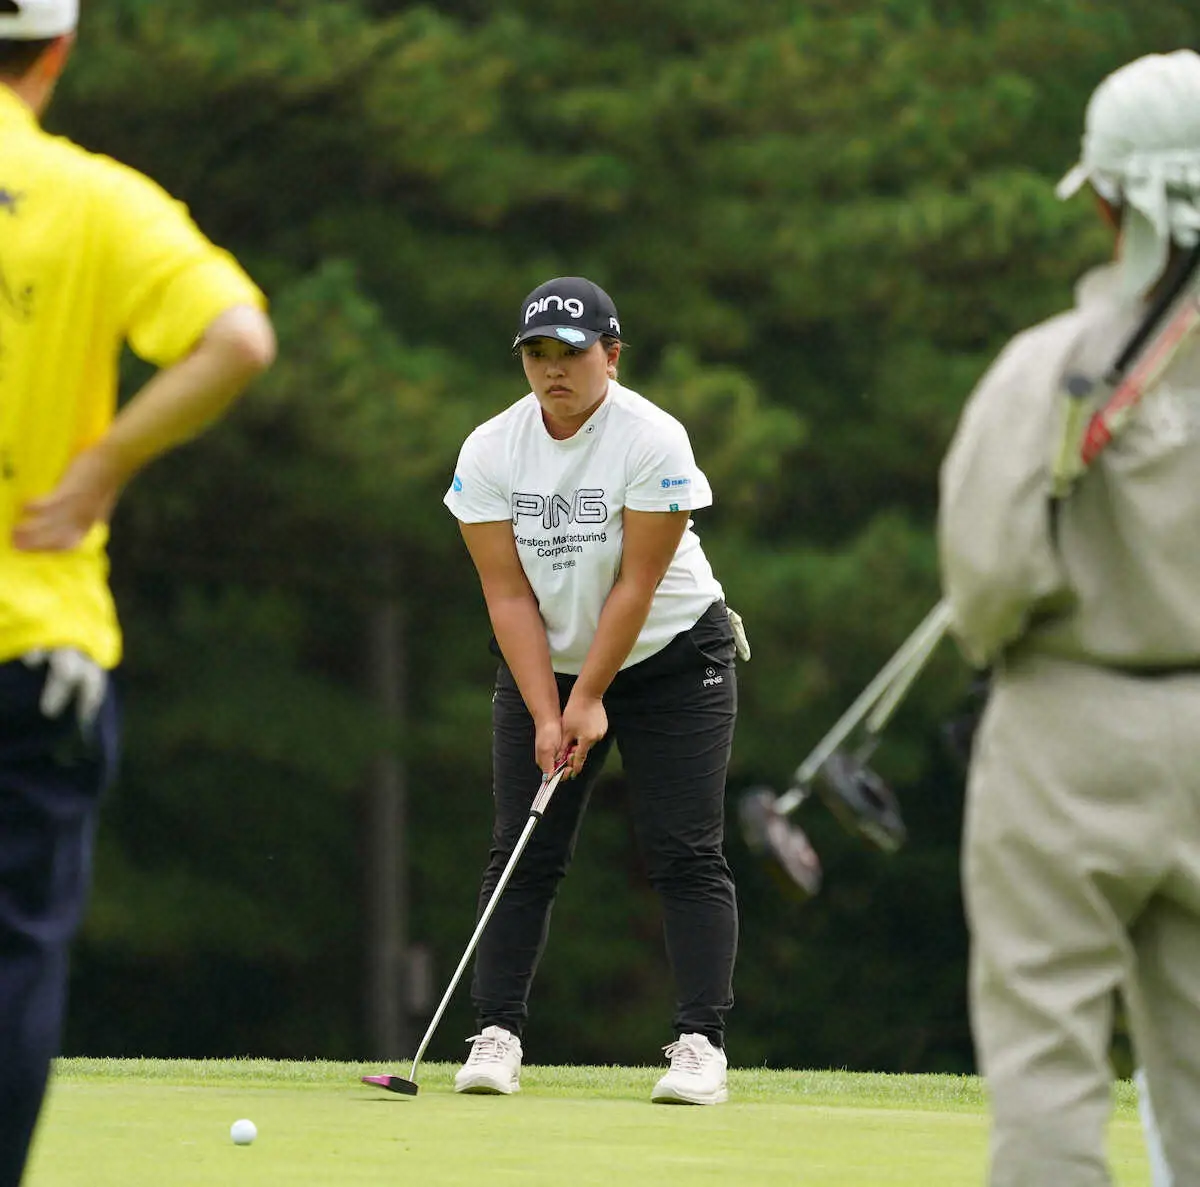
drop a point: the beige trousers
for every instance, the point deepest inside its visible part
(1081, 875)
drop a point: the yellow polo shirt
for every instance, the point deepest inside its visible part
(92, 255)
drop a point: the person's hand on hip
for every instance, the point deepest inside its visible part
(60, 520)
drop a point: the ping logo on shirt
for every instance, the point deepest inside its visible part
(584, 506)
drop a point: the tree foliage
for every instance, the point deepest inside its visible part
(819, 223)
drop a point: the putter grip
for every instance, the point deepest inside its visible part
(542, 800)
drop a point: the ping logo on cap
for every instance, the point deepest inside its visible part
(571, 309)
(572, 306)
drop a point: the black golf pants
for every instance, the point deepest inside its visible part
(671, 717)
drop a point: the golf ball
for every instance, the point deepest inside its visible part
(243, 1132)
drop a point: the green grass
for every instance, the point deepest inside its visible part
(137, 1123)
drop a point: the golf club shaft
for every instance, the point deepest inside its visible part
(539, 806)
(918, 646)
(882, 712)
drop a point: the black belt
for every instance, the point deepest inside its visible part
(1153, 671)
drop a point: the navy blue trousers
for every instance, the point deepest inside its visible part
(51, 779)
(672, 718)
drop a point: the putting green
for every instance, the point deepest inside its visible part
(142, 1123)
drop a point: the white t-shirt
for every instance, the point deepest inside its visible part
(565, 500)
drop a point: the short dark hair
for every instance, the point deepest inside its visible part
(17, 57)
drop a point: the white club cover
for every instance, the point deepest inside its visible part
(71, 676)
(740, 643)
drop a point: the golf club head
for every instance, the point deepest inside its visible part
(862, 802)
(392, 1084)
(769, 833)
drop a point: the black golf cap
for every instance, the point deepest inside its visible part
(569, 308)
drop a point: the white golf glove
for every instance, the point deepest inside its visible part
(71, 676)
(740, 643)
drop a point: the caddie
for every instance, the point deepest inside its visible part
(1081, 855)
(92, 255)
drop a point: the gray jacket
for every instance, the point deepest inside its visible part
(1112, 575)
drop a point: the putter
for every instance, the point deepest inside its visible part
(874, 705)
(856, 795)
(408, 1087)
(1095, 410)
(769, 833)
(859, 799)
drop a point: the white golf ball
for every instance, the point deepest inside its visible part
(243, 1132)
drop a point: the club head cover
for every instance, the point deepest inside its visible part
(768, 833)
(861, 801)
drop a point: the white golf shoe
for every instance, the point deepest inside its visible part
(696, 1076)
(494, 1065)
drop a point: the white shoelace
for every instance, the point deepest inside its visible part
(487, 1049)
(684, 1057)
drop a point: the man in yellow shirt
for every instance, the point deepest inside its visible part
(92, 255)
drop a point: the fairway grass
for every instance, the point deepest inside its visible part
(159, 1123)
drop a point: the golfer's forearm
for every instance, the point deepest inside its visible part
(625, 612)
(521, 635)
(182, 400)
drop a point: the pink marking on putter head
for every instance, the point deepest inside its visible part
(392, 1084)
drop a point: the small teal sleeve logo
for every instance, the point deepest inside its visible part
(456, 485)
(674, 506)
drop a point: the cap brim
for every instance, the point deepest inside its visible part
(569, 335)
(1073, 181)
(40, 20)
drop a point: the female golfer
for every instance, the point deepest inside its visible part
(574, 504)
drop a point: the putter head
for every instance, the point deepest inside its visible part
(392, 1084)
(862, 802)
(768, 833)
